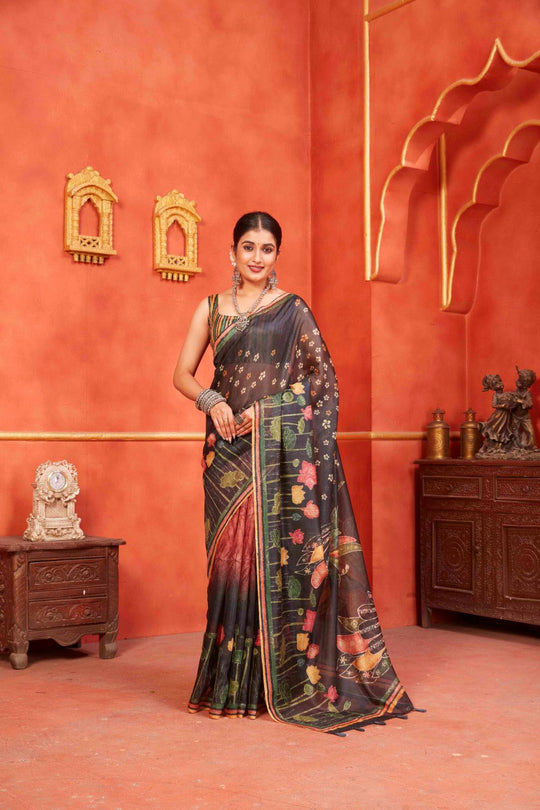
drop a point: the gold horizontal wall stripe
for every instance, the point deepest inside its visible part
(102, 436)
(117, 436)
(381, 12)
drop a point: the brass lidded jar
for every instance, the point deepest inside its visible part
(438, 436)
(470, 436)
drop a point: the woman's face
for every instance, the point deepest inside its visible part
(498, 384)
(256, 255)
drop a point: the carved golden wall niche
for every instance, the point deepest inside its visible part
(168, 210)
(88, 186)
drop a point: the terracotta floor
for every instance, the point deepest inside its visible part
(78, 732)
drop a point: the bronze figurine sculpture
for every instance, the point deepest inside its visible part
(508, 432)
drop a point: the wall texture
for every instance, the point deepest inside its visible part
(376, 78)
(259, 104)
(156, 95)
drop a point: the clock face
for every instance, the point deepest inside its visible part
(57, 481)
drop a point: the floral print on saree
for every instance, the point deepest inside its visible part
(322, 657)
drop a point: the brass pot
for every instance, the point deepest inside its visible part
(470, 436)
(438, 436)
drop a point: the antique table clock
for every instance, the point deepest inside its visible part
(53, 510)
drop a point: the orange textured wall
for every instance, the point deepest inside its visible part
(502, 327)
(423, 357)
(156, 95)
(241, 105)
(399, 355)
(340, 295)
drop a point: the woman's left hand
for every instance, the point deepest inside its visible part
(244, 427)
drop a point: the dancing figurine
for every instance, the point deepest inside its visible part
(508, 432)
(521, 419)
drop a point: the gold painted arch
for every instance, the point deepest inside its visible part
(458, 294)
(448, 112)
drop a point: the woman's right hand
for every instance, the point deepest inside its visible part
(223, 419)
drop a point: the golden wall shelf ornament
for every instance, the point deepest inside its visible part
(171, 208)
(88, 186)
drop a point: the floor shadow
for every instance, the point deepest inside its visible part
(486, 627)
(48, 650)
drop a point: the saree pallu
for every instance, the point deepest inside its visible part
(289, 603)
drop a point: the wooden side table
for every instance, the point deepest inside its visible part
(58, 589)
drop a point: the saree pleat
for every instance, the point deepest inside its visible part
(229, 680)
(286, 568)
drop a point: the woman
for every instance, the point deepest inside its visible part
(291, 619)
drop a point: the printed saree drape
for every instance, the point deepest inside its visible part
(290, 610)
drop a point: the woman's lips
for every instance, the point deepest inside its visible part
(255, 269)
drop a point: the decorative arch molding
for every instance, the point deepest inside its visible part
(170, 209)
(88, 186)
(448, 112)
(459, 293)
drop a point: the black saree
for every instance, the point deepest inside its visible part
(289, 602)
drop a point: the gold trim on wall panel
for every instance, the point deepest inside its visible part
(423, 138)
(151, 436)
(367, 147)
(100, 436)
(381, 12)
(382, 435)
(518, 150)
(443, 212)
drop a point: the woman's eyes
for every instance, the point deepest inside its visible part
(266, 249)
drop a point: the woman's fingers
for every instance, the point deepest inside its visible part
(227, 424)
(223, 419)
(245, 425)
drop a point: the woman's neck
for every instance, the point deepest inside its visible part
(250, 289)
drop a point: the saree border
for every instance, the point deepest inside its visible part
(260, 514)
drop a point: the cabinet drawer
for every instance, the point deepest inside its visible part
(439, 486)
(508, 488)
(66, 613)
(72, 576)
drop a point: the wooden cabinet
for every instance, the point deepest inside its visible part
(479, 538)
(60, 590)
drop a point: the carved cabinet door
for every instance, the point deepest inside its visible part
(452, 559)
(518, 566)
